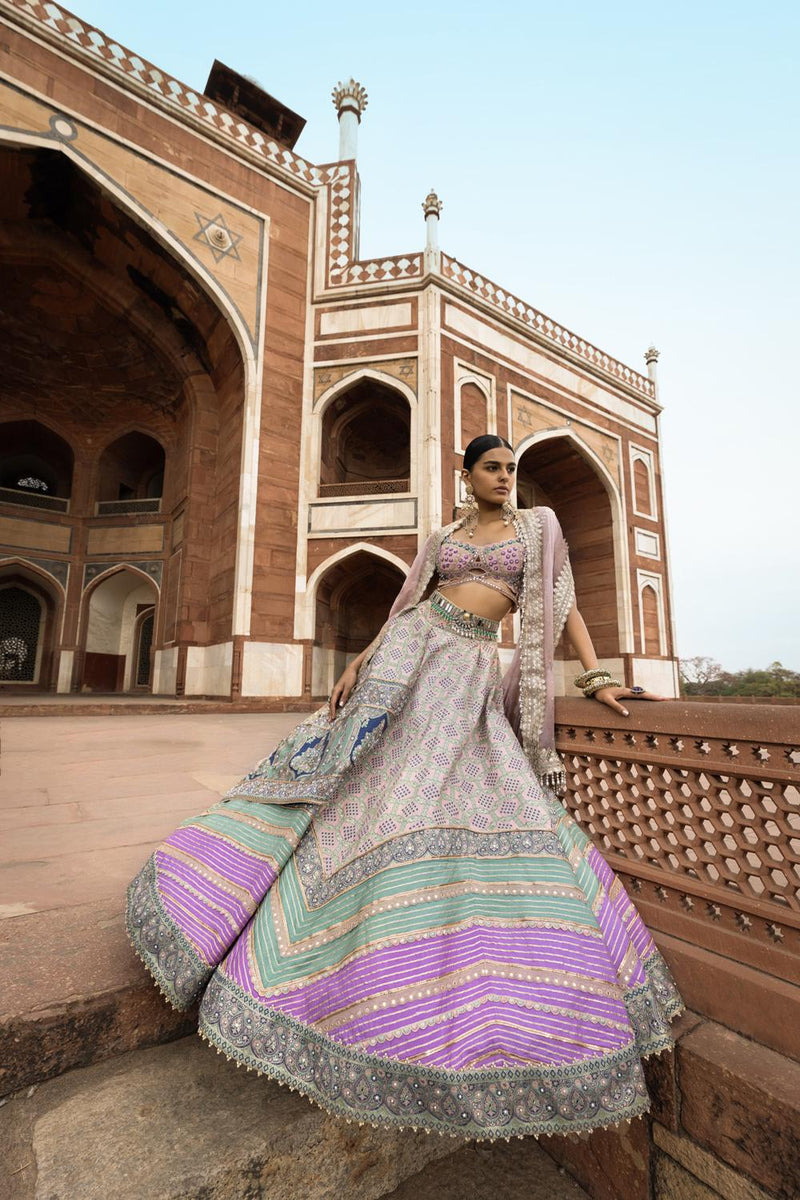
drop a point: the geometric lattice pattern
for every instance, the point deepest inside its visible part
(378, 270)
(740, 833)
(704, 830)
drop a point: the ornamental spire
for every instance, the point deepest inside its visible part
(432, 206)
(350, 100)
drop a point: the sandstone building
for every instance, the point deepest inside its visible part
(223, 433)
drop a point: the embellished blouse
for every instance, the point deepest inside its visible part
(498, 565)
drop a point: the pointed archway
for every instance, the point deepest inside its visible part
(352, 600)
(118, 338)
(555, 468)
(31, 606)
(111, 643)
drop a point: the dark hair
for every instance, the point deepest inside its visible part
(479, 446)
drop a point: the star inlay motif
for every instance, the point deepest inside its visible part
(215, 233)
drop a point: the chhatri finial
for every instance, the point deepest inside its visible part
(651, 358)
(350, 100)
(432, 205)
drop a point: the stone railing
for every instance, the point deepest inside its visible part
(367, 487)
(479, 285)
(34, 500)
(697, 808)
(124, 508)
(379, 270)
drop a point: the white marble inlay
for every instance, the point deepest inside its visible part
(208, 670)
(165, 671)
(65, 670)
(361, 320)
(272, 669)
(647, 543)
(359, 516)
(656, 675)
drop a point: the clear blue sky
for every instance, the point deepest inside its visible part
(629, 168)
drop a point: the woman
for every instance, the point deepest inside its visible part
(393, 913)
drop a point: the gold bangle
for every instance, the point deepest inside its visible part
(587, 676)
(598, 685)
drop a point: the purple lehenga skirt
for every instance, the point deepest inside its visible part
(392, 916)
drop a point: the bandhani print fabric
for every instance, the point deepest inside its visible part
(392, 916)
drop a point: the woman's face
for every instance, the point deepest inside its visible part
(492, 476)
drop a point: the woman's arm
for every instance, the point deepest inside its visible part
(578, 635)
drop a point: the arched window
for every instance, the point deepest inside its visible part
(651, 623)
(353, 600)
(366, 446)
(641, 487)
(474, 420)
(131, 477)
(144, 645)
(21, 619)
(35, 466)
(553, 472)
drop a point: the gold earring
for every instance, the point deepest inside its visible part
(468, 511)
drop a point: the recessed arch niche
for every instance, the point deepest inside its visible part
(36, 465)
(555, 472)
(112, 635)
(353, 598)
(113, 334)
(31, 607)
(366, 440)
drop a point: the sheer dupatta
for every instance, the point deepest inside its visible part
(547, 597)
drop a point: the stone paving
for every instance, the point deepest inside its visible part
(83, 801)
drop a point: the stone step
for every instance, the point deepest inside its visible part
(74, 993)
(520, 1170)
(180, 1122)
(76, 824)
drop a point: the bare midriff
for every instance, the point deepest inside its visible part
(478, 598)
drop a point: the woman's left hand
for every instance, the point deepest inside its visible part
(609, 696)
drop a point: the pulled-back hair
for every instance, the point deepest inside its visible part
(479, 446)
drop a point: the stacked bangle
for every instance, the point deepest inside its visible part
(592, 681)
(585, 678)
(597, 684)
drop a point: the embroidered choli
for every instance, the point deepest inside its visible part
(499, 565)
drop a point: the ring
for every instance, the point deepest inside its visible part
(637, 691)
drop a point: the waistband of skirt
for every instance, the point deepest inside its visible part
(461, 621)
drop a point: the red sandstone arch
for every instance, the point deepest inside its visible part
(110, 610)
(554, 472)
(353, 598)
(133, 336)
(651, 621)
(131, 468)
(366, 440)
(16, 573)
(641, 487)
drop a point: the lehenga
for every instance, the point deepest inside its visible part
(395, 916)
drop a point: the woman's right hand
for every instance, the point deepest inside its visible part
(342, 688)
